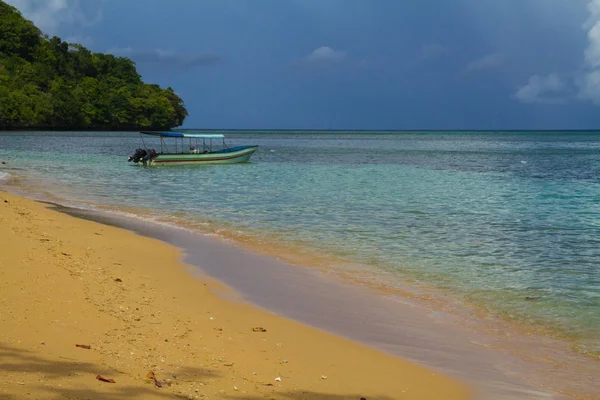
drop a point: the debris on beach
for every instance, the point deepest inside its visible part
(100, 378)
(259, 329)
(83, 346)
(530, 298)
(278, 379)
(152, 376)
(118, 280)
(4, 162)
(323, 377)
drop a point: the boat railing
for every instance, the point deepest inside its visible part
(194, 144)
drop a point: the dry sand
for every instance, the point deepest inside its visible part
(66, 281)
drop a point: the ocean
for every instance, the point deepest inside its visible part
(508, 222)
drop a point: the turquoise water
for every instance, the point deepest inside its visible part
(494, 217)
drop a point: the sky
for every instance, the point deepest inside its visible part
(353, 64)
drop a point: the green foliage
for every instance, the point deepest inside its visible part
(47, 83)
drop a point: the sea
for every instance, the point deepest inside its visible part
(505, 222)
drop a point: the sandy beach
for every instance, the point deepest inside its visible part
(66, 282)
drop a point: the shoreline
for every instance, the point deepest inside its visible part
(381, 282)
(130, 298)
(405, 285)
(401, 336)
(397, 327)
(502, 377)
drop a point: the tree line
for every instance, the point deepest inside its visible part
(46, 83)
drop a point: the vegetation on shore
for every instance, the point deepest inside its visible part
(46, 83)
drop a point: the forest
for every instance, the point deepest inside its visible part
(46, 83)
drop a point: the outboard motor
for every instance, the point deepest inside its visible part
(149, 156)
(137, 156)
(134, 155)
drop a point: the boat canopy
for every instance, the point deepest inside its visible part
(185, 135)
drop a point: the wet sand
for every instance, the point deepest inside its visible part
(399, 328)
(66, 281)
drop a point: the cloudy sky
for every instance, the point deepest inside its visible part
(353, 64)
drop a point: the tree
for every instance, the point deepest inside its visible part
(17, 35)
(178, 106)
(48, 83)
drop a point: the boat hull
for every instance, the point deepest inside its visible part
(229, 156)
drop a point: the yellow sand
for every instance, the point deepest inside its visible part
(66, 281)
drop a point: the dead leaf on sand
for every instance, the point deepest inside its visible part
(100, 378)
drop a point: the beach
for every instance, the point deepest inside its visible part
(480, 268)
(287, 216)
(66, 282)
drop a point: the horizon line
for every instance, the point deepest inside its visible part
(385, 130)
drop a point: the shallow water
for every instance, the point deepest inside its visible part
(493, 217)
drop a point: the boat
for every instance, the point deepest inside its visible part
(202, 150)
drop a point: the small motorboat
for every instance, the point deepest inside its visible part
(202, 150)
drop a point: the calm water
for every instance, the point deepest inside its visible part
(494, 217)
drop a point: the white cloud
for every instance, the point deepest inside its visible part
(542, 89)
(325, 55)
(45, 15)
(552, 89)
(589, 83)
(592, 53)
(589, 86)
(490, 61)
(49, 15)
